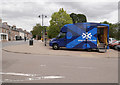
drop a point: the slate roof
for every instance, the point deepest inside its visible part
(4, 26)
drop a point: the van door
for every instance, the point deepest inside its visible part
(61, 40)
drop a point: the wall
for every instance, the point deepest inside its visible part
(21, 34)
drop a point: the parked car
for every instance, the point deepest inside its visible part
(111, 40)
(112, 45)
(117, 47)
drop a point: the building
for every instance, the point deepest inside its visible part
(29, 35)
(4, 29)
(14, 33)
(21, 33)
(11, 33)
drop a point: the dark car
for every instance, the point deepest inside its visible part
(117, 47)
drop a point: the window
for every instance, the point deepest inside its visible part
(113, 38)
(3, 37)
(109, 39)
(61, 35)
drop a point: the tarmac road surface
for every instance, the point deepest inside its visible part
(33, 68)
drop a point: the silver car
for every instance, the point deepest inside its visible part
(117, 47)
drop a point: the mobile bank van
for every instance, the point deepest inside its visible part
(82, 36)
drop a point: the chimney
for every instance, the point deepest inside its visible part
(14, 26)
(5, 23)
(25, 31)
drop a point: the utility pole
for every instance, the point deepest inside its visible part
(42, 19)
(43, 34)
(42, 27)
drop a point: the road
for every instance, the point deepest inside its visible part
(33, 68)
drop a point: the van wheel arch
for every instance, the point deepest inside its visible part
(55, 46)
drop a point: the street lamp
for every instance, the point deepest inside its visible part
(9, 32)
(43, 16)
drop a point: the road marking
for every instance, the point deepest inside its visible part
(86, 67)
(80, 67)
(35, 78)
(43, 65)
(18, 74)
(30, 77)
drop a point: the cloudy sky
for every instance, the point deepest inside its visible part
(24, 13)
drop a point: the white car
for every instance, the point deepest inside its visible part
(111, 40)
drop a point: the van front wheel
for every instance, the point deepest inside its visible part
(55, 46)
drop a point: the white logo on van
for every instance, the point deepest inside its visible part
(87, 35)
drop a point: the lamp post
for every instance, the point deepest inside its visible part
(43, 16)
(9, 32)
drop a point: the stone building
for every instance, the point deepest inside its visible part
(21, 33)
(11, 33)
(4, 30)
(29, 35)
(14, 33)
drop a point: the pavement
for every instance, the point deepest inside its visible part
(39, 48)
(8, 43)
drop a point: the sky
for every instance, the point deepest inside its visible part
(24, 13)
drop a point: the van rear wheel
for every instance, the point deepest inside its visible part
(55, 46)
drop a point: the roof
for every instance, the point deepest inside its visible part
(20, 30)
(80, 25)
(4, 26)
(12, 28)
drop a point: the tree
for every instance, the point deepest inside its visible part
(59, 19)
(37, 31)
(78, 18)
(113, 29)
(118, 33)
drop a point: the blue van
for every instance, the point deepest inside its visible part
(82, 36)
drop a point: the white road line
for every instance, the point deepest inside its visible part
(82, 67)
(30, 77)
(35, 78)
(86, 67)
(18, 74)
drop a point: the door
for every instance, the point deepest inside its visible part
(61, 39)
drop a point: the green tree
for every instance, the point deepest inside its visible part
(78, 18)
(118, 33)
(37, 31)
(59, 19)
(113, 31)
